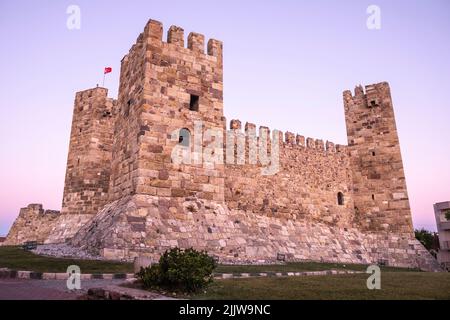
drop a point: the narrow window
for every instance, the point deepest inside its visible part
(184, 137)
(193, 104)
(127, 108)
(340, 198)
(373, 153)
(373, 197)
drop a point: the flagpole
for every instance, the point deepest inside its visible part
(104, 74)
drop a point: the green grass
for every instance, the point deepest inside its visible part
(18, 259)
(300, 266)
(394, 285)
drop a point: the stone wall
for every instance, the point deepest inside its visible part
(380, 194)
(66, 226)
(306, 187)
(165, 87)
(144, 225)
(89, 160)
(33, 224)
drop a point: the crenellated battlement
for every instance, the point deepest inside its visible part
(368, 97)
(286, 139)
(153, 37)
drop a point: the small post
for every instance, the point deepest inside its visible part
(105, 71)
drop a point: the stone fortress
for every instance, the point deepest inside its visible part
(125, 197)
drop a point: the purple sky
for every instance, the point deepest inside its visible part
(286, 65)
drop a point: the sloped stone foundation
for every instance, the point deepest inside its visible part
(66, 226)
(148, 225)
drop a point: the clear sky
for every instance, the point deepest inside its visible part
(286, 65)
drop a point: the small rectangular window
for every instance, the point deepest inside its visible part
(193, 104)
(373, 103)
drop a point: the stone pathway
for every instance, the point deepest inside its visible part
(29, 289)
(115, 292)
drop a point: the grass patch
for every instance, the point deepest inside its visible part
(18, 259)
(394, 285)
(300, 266)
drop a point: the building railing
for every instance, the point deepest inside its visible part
(445, 225)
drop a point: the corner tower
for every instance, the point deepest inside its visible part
(89, 159)
(166, 88)
(379, 187)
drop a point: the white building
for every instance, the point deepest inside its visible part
(442, 214)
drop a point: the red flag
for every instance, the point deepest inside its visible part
(107, 70)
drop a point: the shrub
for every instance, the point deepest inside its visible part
(181, 270)
(429, 239)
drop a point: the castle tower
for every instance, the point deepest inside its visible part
(89, 160)
(165, 88)
(379, 187)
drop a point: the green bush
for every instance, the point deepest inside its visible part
(180, 270)
(430, 240)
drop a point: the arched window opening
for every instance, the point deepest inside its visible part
(184, 137)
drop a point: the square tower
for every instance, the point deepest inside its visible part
(166, 88)
(86, 188)
(379, 187)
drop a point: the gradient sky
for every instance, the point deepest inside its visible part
(286, 65)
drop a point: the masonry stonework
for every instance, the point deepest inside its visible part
(126, 196)
(89, 159)
(379, 186)
(33, 224)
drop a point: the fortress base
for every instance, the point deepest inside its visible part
(144, 225)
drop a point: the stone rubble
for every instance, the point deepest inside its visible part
(63, 250)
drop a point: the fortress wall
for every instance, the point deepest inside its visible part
(380, 196)
(44, 226)
(33, 224)
(89, 160)
(125, 195)
(125, 144)
(171, 75)
(143, 225)
(311, 174)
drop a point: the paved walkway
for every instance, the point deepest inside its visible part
(27, 289)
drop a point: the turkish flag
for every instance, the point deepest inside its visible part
(107, 70)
